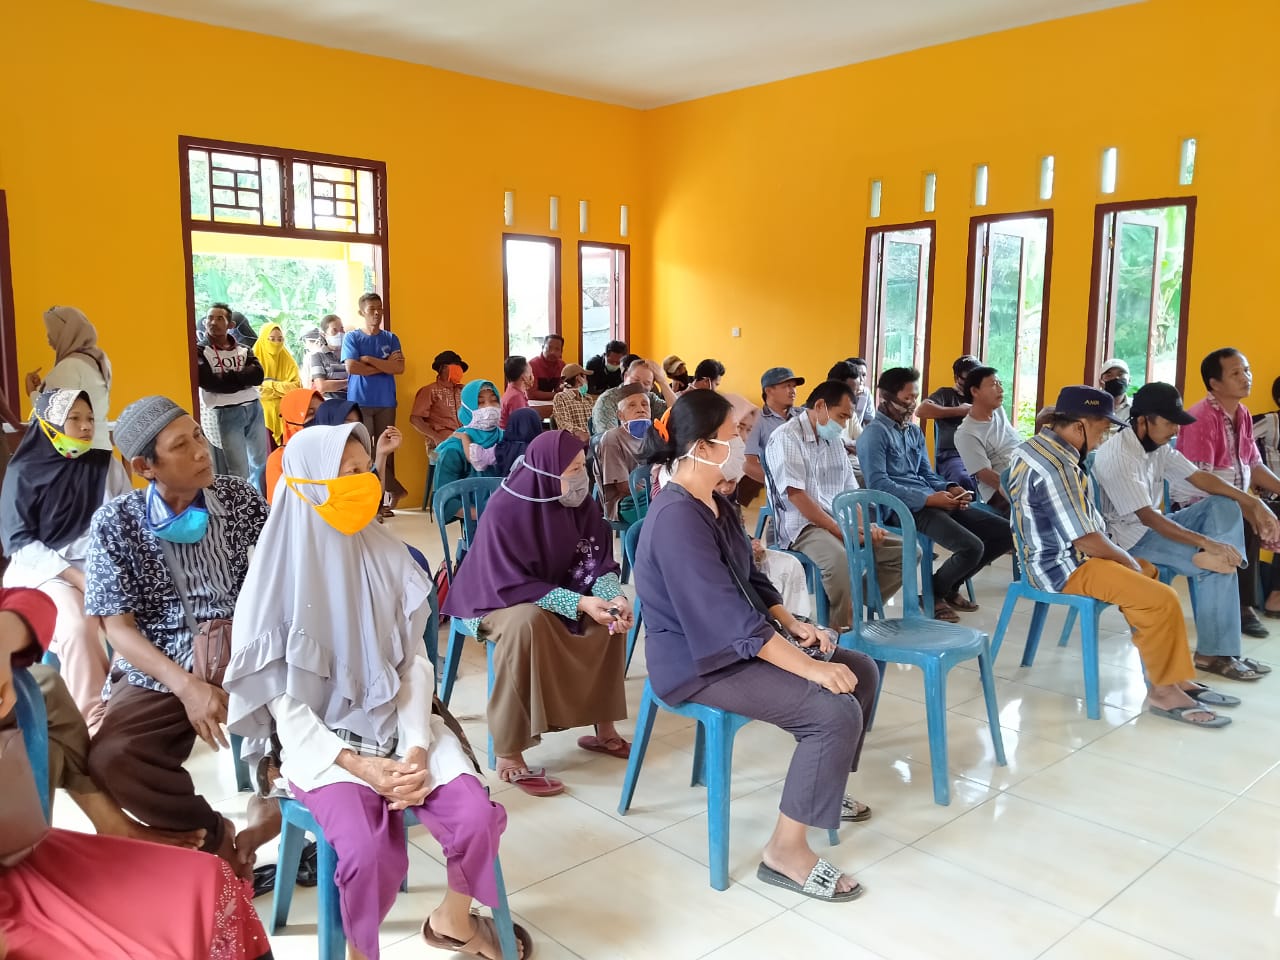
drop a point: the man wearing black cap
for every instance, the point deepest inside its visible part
(1204, 541)
(1064, 549)
(435, 407)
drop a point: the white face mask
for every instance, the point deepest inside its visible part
(733, 466)
(573, 491)
(486, 418)
(334, 339)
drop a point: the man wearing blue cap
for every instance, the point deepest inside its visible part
(1065, 550)
(778, 390)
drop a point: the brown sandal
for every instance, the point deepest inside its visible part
(1233, 668)
(483, 943)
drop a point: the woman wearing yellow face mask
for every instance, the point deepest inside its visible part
(55, 481)
(280, 375)
(337, 670)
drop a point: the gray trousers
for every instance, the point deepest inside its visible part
(377, 419)
(829, 728)
(827, 551)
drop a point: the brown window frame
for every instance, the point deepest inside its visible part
(621, 321)
(972, 306)
(872, 280)
(557, 295)
(8, 323)
(286, 157)
(1096, 344)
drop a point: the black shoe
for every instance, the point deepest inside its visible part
(307, 866)
(1251, 626)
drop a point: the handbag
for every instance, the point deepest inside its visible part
(22, 822)
(210, 639)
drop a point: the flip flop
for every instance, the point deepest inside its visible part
(614, 746)
(1202, 694)
(1179, 715)
(820, 885)
(850, 813)
(536, 783)
(485, 937)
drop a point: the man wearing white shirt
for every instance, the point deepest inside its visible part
(985, 438)
(1204, 541)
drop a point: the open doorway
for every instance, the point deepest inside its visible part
(1141, 289)
(530, 291)
(1007, 313)
(897, 297)
(604, 281)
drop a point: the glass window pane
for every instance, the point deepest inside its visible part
(302, 195)
(902, 289)
(598, 296)
(271, 213)
(530, 266)
(235, 161)
(1001, 327)
(367, 218)
(1135, 275)
(198, 178)
(340, 174)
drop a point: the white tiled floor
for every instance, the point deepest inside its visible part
(1124, 838)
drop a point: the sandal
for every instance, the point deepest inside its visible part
(614, 746)
(963, 604)
(942, 611)
(820, 885)
(851, 811)
(536, 783)
(1179, 714)
(1202, 694)
(1256, 665)
(1233, 668)
(483, 943)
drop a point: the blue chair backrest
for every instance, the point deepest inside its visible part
(861, 556)
(631, 542)
(463, 501)
(639, 482)
(34, 724)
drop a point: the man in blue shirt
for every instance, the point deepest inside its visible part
(895, 460)
(373, 359)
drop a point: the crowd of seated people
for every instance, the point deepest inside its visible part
(330, 683)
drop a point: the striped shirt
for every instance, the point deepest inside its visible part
(126, 571)
(1052, 507)
(1130, 479)
(797, 457)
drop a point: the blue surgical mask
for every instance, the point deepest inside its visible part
(639, 428)
(830, 430)
(189, 526)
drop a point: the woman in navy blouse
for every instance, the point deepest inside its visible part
(712, 636)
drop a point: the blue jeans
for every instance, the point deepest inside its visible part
(244, 441)
(1217, 594)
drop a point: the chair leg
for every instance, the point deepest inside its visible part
(833, 837)
(333, 940)
(1068, 625)
(699, 777)
(488, 659)
(244, 782)
(935, 696)
(993, 707)
(502, 917)
(1033, 635)
(719, 772)
(1089, 647)
(639, 743)
(452, 660)
(288, 856)
(632, 636)
(1002, 625)
(926, 575)
(968, 588)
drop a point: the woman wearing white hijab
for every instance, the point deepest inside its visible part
(327, 653)
(79, 364)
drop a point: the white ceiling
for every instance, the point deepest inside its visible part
(639, 53)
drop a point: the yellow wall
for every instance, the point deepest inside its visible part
(759, 197)
(93, 99)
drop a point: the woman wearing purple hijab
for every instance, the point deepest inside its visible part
(540, 583)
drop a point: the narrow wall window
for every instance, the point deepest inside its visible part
(605, 296)
(1141, 288)
(1007, 316)
(530, 291)
(898, 295)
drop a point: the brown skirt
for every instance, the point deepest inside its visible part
(546, 678)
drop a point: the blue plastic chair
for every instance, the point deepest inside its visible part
(639, 481)
(933, 646)
(1087, 608)
(766, 511)
(619, 527)
(463, 501)
(296, 822)
(34, 724)
(712, 767)
(630, 541)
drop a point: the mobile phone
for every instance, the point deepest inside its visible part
(966, 495)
